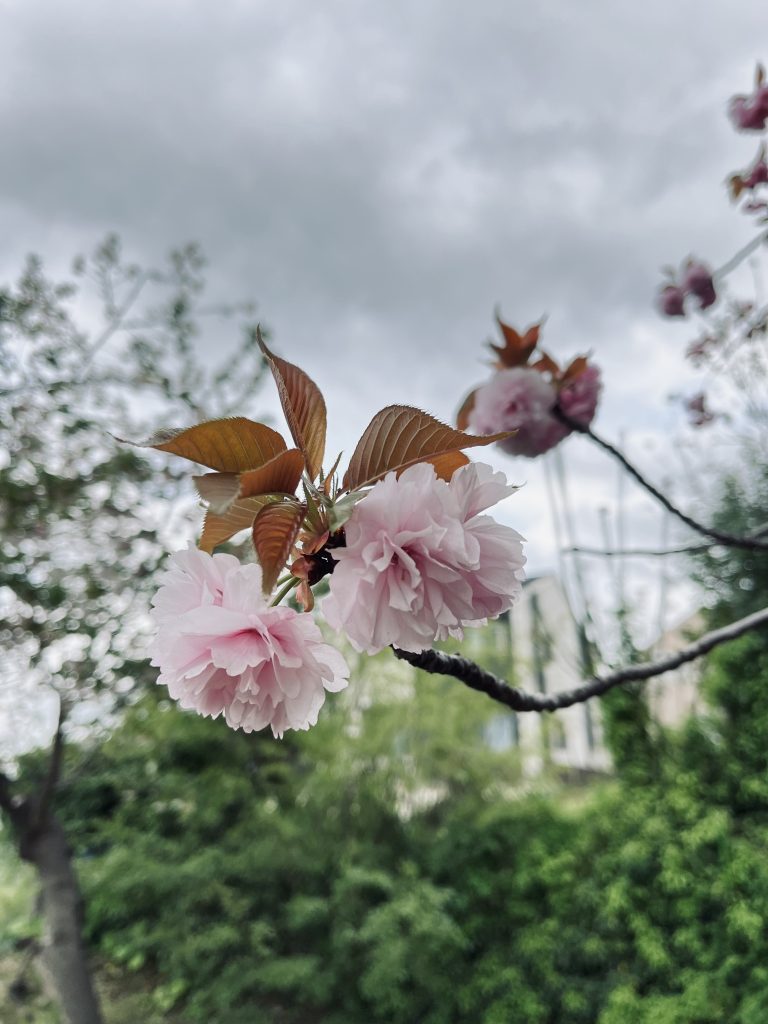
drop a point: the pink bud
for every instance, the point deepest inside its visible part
(696, 407)
(749, 113)
(699, 351)
(697, 281)
(671, 300)
(758, 174)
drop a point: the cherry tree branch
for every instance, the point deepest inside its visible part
(683, 549)
(476, 678)
(750, 542)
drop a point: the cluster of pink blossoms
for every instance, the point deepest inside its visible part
(522, 399)
(522, 396)
(418, 564)
(696, 281)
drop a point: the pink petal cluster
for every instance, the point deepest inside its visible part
(221, 649)
(757, 174)
(421, 562)
(750, 113)
(578, 398)
(522, 399)
(671, 300)
(697, 281)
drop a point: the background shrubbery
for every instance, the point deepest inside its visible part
(278, 882)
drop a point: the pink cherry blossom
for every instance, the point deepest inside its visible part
(221, 649)
(757, 174)
(421, 562)
(698, 410)
(750, 113)
(672, 300)
(518, 399)
(578, 398)
(522, 399)
(697, 280)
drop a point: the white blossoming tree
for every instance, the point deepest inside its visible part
(82, 516)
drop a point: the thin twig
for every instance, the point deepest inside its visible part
(113, 323)
(749, 542)
(637, 552)
(476, 678)
(684, 549)
(740, 256)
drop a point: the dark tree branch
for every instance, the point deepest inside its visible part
(45, 796)
(8, 801)
(684, 549)
(476, 678)
(750, 542)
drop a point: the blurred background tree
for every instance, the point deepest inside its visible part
(86, 522)
(387, 866)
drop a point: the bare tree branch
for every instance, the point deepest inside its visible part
(637, 552)
(476, 678)
(750, 542)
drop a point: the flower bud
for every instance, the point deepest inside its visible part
(697, 281)
(750, 113)
(671, 300)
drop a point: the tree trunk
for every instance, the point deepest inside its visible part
(63, 958)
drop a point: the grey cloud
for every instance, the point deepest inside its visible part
(377, 176)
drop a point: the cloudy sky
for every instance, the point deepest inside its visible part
(379, 176)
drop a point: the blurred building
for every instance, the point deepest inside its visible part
(675, 696)
(539, 646)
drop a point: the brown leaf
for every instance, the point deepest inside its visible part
(546, 364)
(230, 445)
(218, 489)
(239, 516)
(280, 475)
(305, 597)
(304, 408)
(517, 348)
(735, 185)
(465, 410)
(275, 530)
(574, 369)
(398, 437)
(447, 464)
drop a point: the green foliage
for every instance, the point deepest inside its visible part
(292, 882)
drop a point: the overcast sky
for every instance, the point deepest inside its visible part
(378, 176)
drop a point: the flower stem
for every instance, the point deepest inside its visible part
(293, 582)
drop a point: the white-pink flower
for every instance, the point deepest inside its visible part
(421, 562)
(522, 399)
(578, 397)
(221, 649)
